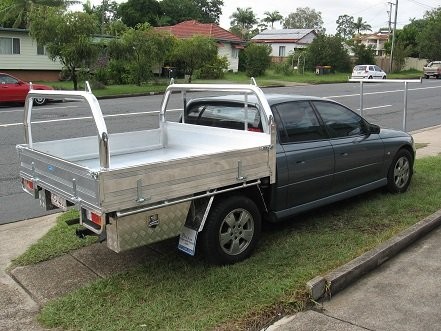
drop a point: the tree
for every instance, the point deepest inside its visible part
(327, 50)
(243, 20)
(16, 12)
(137, 51)
(210, 10)
(429, 39)
(105, 13)
(345, 26)
(67, 37)
(363, 54)
(193, 53)
(257, 59)
(135, 12)
(304, 18)
(179, 11)
(271, 17)
(359, 25)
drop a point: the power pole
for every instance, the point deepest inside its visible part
(393, 36)
(390, 18)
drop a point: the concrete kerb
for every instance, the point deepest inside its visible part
(338, 279)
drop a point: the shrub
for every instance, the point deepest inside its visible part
(214, 70)
(257, 59)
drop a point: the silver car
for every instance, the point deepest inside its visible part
(368, 71)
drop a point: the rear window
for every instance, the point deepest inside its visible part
(359, 68)
(224, 115)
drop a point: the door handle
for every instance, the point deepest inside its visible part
(344, 154)
(300, 162)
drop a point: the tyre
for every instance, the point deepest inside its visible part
(384, 77)
(400, 172)
(39, 101)
(426, 76)
(231, 231)
(370, 77)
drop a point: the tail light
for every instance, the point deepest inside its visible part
(255, 130)
(94, 217)
(27, 184)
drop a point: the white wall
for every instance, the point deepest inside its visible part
(289, 48)
(226, 49)
(28, 58)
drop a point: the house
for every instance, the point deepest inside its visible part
(375, 40)
(22, 57)
(228, 43)
(285, 41)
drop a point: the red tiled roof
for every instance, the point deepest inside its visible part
(189, 29)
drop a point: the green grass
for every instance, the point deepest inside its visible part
(175, 292)
(59, 240)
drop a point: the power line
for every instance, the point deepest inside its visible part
(421, 4)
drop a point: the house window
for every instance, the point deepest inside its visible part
(234, 53)
(9, 45)
(41, 50)
(282, 50)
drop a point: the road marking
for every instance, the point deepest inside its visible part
(39, 108)
(367, 108)
(85, 117)
(380, 92)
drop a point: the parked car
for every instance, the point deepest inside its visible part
(432, 69)
(368, 71)
(13, 89)
(211, 178)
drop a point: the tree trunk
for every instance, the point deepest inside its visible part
(74, 78)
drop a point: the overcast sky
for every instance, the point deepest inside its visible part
(374, 12)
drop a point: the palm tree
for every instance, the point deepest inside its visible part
(244, 19)
(272, 17)
(362, 26)
(17, 11)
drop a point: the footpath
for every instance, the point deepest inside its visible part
(400, 294)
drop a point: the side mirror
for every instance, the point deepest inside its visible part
(374, 129)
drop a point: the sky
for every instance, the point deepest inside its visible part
(374, 12)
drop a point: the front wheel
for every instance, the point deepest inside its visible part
(231, 231)
(400, 172)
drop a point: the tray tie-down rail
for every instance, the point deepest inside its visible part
(90, 99)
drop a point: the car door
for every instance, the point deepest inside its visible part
(12, 89)
(359, 156)
(308, 153)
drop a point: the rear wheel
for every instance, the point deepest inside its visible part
(39, 101)
(231, 231)
(400, 172)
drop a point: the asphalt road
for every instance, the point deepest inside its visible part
(383, 104)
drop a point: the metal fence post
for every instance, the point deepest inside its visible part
(361, 98)
(405, 107)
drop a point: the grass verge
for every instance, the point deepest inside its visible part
(175, 292)
(59, 240)
(269, 79)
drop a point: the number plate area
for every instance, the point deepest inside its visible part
(58, 201)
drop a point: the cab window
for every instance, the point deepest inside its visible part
(224, 115)
(339, 120)
(299, 122)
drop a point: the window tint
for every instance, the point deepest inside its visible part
(340, 121)
(224, 115)
(4, 79)
(299, 122)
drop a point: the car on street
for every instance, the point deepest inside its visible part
(325, 151)
(14, 90)
(368, 71)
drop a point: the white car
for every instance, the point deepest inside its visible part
(368, 71)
